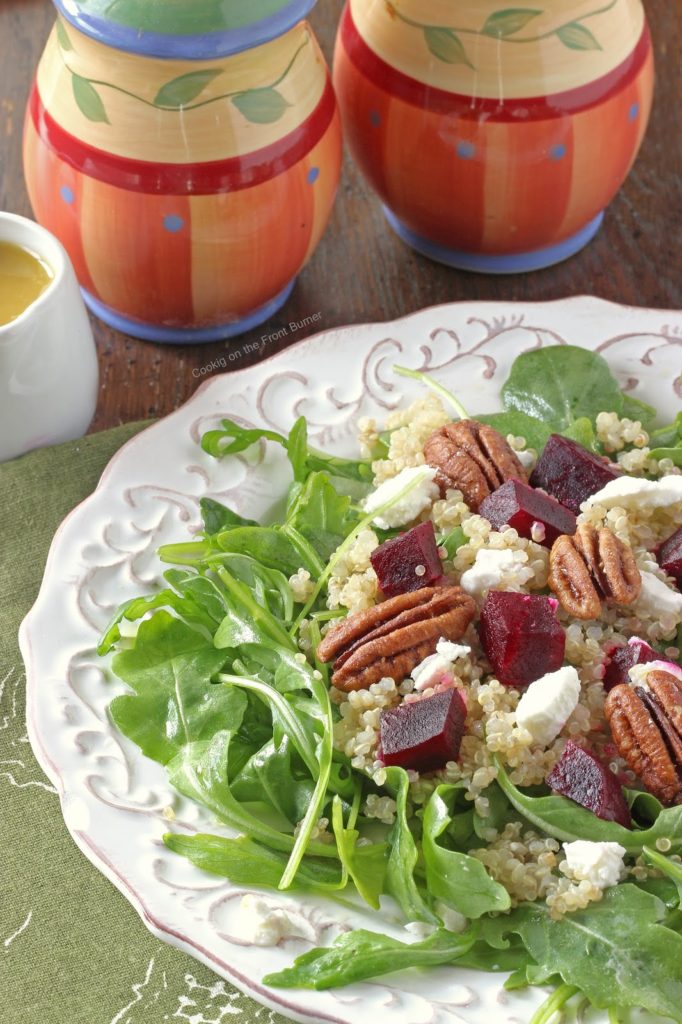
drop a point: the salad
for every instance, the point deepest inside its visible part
(447, 676)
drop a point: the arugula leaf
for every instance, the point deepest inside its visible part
(366, 865)
(322, 515)
(635, 409)
(560, 384)
(403, 855)
(193, 598)
(565, 820)
(283, 714)
(669, 868)
(170, 669)
(459, 880)
(582, 431)
(271, 774)
(246, 620)
(218, 517)
(269, 545)
(616, 951)
(358, 955)
(233, 438)
(199, 772)
(269, 587)
(674, 454)
(246, 862)
(454, 540)
(535, 431)
(669, 436)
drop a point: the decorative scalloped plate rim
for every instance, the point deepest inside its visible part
(114, 800)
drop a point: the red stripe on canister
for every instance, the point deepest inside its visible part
(194, 179)
(533, 108)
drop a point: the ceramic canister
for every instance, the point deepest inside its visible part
(495, 135)
(187, 155)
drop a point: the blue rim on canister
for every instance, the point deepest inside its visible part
(194, 30)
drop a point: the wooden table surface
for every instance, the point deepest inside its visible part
(361, 272)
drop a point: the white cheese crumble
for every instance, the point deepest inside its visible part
(408, 508)
(634, 492)
(489, 570)
(452, 651)
(440, 665)
(547, 704)
(598, 863)
(265, 925)
(638, 673)
(656, 596)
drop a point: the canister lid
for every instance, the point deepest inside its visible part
(184, 29)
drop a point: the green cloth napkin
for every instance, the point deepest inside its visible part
(72, 949)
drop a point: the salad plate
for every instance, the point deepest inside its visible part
(117, 803)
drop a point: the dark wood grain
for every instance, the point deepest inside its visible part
(361, 272)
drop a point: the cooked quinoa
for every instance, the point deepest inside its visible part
(529, 865)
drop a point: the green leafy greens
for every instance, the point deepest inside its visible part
(220, 693)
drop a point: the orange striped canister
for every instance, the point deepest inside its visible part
(186, 155)
(494, 135)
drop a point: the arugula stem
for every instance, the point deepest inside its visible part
(429, 382)
(319, 796)
(555, 1002)
(614, 1017)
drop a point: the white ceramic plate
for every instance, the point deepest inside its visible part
(114, 800)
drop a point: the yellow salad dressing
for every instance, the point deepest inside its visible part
(23, 278)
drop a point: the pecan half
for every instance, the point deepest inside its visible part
(391, 638)
(646, 723)
(591, 566)
(473, 458)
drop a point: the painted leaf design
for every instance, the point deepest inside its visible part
(577, 37)
(88, 99)
(446, 45)
(261, 106)
(505, 23)
(63, 36)
(182, 90)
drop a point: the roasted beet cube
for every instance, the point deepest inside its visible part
(670, 557)
(408, 562)
(585, 780)
(570, 473)
(423, 734)
(521, 636)
(518, 505)
(621, 660)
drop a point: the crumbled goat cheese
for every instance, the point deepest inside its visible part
(547, 704)
(414, 502)
(431, 671)
(265, 925)
(598, 863)
(452, 651)
(634, 492)
(436, 666)
(489, 569)
(638, 673)
(656, 596)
